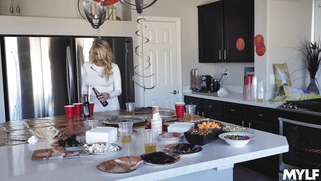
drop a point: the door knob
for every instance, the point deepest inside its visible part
(175, 92)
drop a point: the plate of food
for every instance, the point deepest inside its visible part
(101, 148)
(69, 144)
(170, 136)
(182, 148)
(233, 128)
(121, 165)
(160, 158)
(167, 113)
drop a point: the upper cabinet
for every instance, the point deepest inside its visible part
(226, 31)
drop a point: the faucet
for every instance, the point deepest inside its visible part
(222, 76)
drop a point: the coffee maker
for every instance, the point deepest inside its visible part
(206, 84)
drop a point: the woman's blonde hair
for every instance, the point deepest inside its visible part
(105, 53)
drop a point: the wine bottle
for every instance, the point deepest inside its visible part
(86, 107)
(104, 103)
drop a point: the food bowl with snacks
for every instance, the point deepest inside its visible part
(237, 139)
(233, 128)
(198, 136)
(215, 126)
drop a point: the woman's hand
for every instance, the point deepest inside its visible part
(82, 99)
(102, 97)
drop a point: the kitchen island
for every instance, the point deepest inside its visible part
(215, 161)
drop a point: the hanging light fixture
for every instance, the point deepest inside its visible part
(139, 5)
(94, 11)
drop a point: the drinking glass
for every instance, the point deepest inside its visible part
(126, 130)
(150, 140)
(191, 110)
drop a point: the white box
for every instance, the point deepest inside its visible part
(178, 127)
(101, 134)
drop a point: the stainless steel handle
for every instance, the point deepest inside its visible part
(219, 55)
(69, 73)
(300, 123)
(210, 106)
(242, 123)
(224, 54)
(250, 124)
(232, 110)
(175, 92)
(260, 115)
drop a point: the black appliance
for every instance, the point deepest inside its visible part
(300, 123)
(206, 84)
(41, 74)
(216, 85)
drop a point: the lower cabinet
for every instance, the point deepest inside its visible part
(264, 119)
(213, 109)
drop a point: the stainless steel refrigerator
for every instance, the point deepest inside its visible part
(42, 74)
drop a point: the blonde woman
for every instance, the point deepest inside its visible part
(100, 72)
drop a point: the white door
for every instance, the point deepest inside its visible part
(163, 50)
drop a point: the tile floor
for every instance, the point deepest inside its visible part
(241, 173)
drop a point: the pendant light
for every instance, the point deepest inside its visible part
(139, 5)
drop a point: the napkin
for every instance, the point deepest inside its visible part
(222, 92)
(33, 140)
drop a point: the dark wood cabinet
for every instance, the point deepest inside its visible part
(210, 32)
(222, 27)
(264, 119)
(235, 114)
(213, 109)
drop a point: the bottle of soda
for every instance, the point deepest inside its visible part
(86, 107)
(104, 103)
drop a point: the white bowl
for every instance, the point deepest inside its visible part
(237, 143)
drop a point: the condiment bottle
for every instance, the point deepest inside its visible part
(104, 103)
(157, 123)
(86, 107)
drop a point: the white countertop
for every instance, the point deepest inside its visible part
(233, 98)
(16, 164)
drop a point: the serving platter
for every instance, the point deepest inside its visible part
(70, 148)
(120, 165)
(169, 136)
(114, 120)
(174, 155)
(167, 114)
(85, 148)
(174, 149)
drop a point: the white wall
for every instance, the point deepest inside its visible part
(285, 25)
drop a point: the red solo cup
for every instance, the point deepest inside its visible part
(78, 109)
(70, 110)
(248, 80)
(91, 109)
(179, 107)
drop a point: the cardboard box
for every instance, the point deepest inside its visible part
(180, 127)
(101, 134)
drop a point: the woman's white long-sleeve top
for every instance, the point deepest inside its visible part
(92, 77)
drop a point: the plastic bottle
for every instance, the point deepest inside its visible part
(104, 103)
(86, 107)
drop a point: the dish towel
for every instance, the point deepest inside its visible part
(222, 92)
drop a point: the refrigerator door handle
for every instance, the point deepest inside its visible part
(69, 73)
